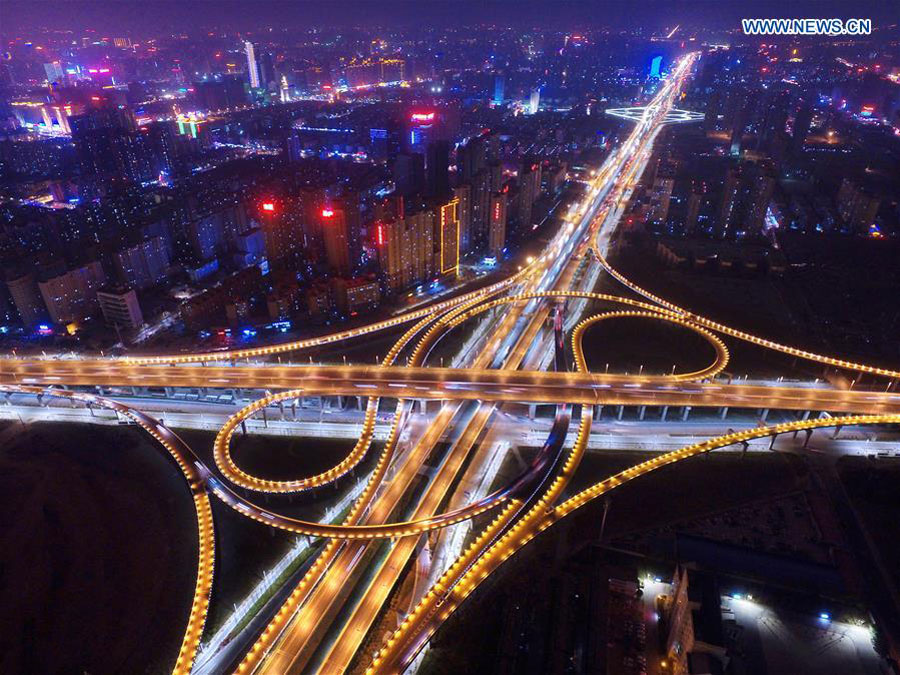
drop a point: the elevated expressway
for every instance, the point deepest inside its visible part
(324, 622)
(482, 385)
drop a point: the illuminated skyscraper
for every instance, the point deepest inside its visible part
(449, 241)
(252, 67)
(655, 65)
(499, 88)
(534, 102)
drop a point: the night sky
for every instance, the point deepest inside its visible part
(153, 16)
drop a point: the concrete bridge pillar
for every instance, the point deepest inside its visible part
(360, 403)
(532, 410)
(764, 414)
(620, 412)
(723, 412)
(805, 415)
(170, 392)
(685, 412)
(641, 411)
(281, 409)
(598, 410)
(837, 430)
(664, 412)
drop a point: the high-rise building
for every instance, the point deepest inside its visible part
(448, 222)
(757, 194)
(143, 264)
(857, 207)
(661, 193)
(471, 158)
(71, 295)
(409, 173)
(727, 201)
(736, 118)
(497, 231)
(252, 66)
(353, 296)
(336, 237)
(437, 168)
(711, 118)
(120, 307)
(54, 71)
(774, 119)
(529, 190)
(479, 210)
(694, 202)
(499, 88)
(800, 131)
(267, 76)
(416, 247)
(534, 101)
(463, 194)
(655, 65)
(206, 236)
(27, 298)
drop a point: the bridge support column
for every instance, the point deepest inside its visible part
(723, 412)
(837, 430)
(620, 412)
(764, 414)
(772, 441)
(641, 411)
(265, 417)
(598, 410)
(664, 412)
(281, 409)
(805, 415)
(360, 403)
(685, 412)
(532, 410)
(169, 391)
(809, 433)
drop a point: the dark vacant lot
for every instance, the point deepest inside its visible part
(97, 551)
